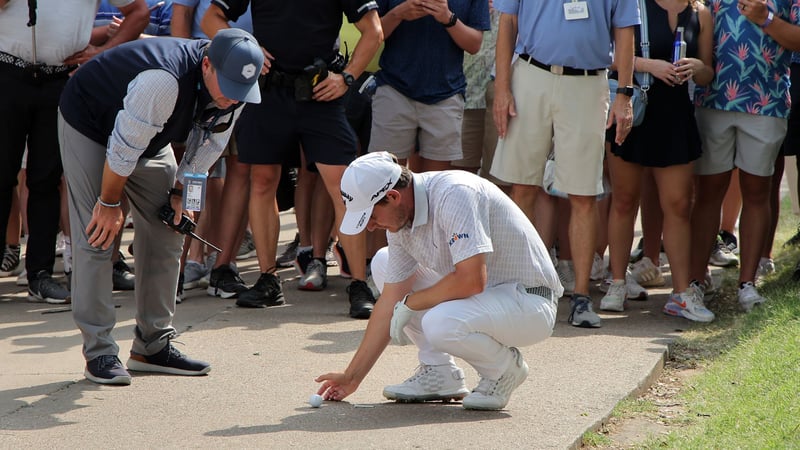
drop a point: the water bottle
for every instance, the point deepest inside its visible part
(679, 46)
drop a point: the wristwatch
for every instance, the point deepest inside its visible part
(625, 90)
(452, 21)
(770, 17)
(349, 79)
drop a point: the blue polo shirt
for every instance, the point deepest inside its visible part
(245, 22)
(546, 34)
(420, 59)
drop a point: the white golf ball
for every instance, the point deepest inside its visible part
(315, 401)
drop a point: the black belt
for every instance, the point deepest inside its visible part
(560, 70)
(22, 64)
(541, 291)
(281, 79)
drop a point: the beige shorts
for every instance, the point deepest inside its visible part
(750, 142)
(399, 124)
(231, 148)
(479, 138)
(563, 112)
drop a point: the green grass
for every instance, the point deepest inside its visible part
(748, 393)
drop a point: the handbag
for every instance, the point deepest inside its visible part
(639, 99)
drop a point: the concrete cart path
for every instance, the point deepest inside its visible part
(264, 365)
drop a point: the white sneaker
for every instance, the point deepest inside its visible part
(749, 296)
(566, 273)
(614, 300)
(598, 268)
(22, 279)
(494, 394)
(581, 313)
(722, 256)
(766, 266)
(646, 273)
(429, 383)
(688, 304)
(634, 290)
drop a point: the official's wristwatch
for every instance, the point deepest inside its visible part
(625, 90)
(349, 79)
(452, 21)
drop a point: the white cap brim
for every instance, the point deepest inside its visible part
(354, 222)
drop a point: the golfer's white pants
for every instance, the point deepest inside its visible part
(476, 329)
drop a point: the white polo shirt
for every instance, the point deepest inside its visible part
(63, 27)
(458, 215)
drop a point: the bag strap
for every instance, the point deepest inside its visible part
(644, 40)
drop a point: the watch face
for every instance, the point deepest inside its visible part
(348, 79)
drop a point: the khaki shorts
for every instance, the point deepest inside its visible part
(399, 124)
(735, 139)
(479, 138)
(231, 148)
(563, 112)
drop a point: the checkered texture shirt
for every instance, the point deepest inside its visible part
(458, 215)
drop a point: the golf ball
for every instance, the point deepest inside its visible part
(315, 400)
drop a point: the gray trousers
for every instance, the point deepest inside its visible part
(156, 246)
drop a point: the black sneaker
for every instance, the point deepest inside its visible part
(793, 241)
(107, 369)
(302, 260)
(361, 300)
(225, 283)
(10, 264)
(730, 241)
(341, 258)
(43, 288)
(266, 292)
(123, 277)
(168, 360)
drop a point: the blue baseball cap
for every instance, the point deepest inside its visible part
(237, 58)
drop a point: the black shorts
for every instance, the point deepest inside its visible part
(273, 131)
(791, 145)
(358, 106)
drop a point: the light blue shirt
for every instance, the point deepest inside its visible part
(200, 6)
(546, 34)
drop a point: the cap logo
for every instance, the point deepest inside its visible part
(347, 196)
(248, 70)
(381, 190)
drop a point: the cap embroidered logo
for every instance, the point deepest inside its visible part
(248, 71)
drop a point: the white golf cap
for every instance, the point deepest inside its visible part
(364, 183)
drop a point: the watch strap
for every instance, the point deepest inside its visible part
(770, 18)
(452, 21)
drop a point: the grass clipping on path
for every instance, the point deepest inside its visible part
(749, 397)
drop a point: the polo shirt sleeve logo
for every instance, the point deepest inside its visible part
(248, 70)
(456, 237)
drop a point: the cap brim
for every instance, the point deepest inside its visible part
(354, 222)
(241, 92)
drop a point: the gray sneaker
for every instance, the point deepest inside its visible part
(581, 314)
(286, 259)
(315, 278)
(122, 276)
(43, 288)
(248, 247)
(194, 275)
(494, 394)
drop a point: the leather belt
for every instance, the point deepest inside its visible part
(21, 63)
(560, 70)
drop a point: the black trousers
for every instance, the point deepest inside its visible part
(28, 116)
